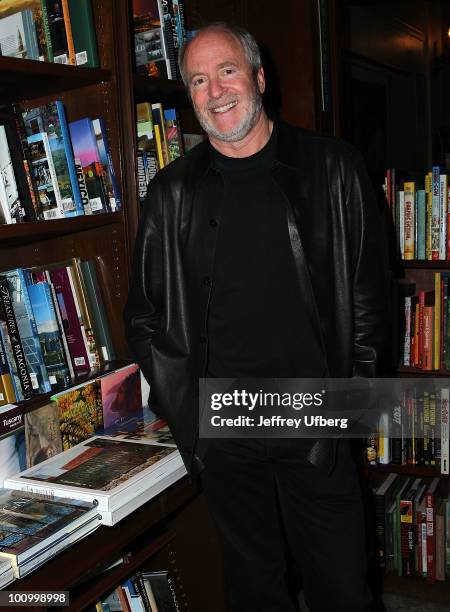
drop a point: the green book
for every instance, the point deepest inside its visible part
(83, 33)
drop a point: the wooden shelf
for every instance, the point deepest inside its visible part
(419, 471)
(154, 89)
(424, 265)
(416, 586)
(406, 370)
(17, 234)
(28, 79)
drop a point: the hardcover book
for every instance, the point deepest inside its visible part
(32, 526)
(50, 118)
(17, 32)
(42, 434)
(57, 28)
(149, 47)
(85, 149)
(83, 31)
(121, 395)
(9, 194)
(120, 475)
(49, 334)
(45, 176)
(110, 181)
(79, 412)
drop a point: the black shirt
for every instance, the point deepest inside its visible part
(257, 325)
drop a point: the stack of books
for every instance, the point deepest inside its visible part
(34, 528)
(51, 168)
(60, 32)
(118, 475)
(6, 573)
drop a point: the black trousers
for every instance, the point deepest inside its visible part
(268, 500)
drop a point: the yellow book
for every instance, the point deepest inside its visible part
(410, 224)
(69, 36)
(437, 320)
(159, 146)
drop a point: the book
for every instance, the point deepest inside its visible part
(42, 434)
(69, 34)
(44, 173)
(6, 376)
(430, 509)
(96, 306)
(33, 528)
(57, 31)
(13, 454)
(120, 475)
(59, 278)
(160, 590)
(112, 187)
(26, 324)
(85, 149)
(120, 395)
(83, 32)
(146, 137)
(174, 142)
(49, 334)
(17, 32)
(79, 412)
(149, 46)
(10, 203)
(160, 133)
(11, 419)
(50, 118)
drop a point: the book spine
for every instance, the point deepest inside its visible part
(421, 224)
(82, 187)
(83, 31)
(443, 187)
(79, 210)
(401, 209)
(46, 25)
(26, 156)
(69, 34)
(112, 186)
(158, 122)
(437, 320)
(6, 375)
(55, 16)
(61, 329)
(11, 419)
(12, 206)
(141, 176)
(436, 221)
(431, 539)
(445, 452)
(16, 343)
(429, 207)
(409, 221)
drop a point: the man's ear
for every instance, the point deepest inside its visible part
(261, 80)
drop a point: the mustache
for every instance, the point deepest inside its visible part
(211, 104)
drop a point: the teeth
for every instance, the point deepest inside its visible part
(223, 109)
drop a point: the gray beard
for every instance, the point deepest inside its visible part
(241, 130)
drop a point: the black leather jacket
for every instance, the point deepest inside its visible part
(337, 239)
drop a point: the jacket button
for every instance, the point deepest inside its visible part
(202, 340)
(206, 281)
(213, 223)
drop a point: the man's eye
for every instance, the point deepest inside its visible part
(229, 70)
(198, 81)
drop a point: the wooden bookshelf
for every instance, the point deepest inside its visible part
(419, 471)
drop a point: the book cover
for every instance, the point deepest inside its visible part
(146, 136)
(150, 57)
(50, 118)
(12, 208)
(435, 211)
(45, 176)
(111, 185)
(160, 589)
(17, 32)
(96, 307)
(160, 129)
(11, 418)
(79, 412)
(121, 395)
(12, 340)
(5, 369)
(57, 28)
(42, 434)
(69, 33)
(26, 324)
(174, 141)
(83, 32)
(410, 246)
(49, 334)
(169, 38)
(85, 149)
(68, 311)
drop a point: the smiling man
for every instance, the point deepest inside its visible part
(260, 254)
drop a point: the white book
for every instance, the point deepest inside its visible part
(12, 207)
(445, 454)
(18, 35)
(119, 475)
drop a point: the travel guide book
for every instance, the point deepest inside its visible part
(120, 475)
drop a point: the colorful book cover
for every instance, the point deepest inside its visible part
(80, 413)
(5, 370)
(12, 208)
(101, 464)
(49, 335)
(42, 434)
(121, 395)
(12, 340)
(410, 247)
(112, 188)
(146, 136)
(17, 32)
(160, 128)
(435, 220)
(85, 149)
(83, 31)
(174, 142)
(50, 118)
(11, 419)
(45, 176)
(150, 58)
(443, 196)
(26, 324)
(67, 308)
(421, 224)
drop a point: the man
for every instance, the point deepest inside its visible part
(259, 254)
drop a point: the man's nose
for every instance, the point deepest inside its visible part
(215, 89)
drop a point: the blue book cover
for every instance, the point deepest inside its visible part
(50, 118)
(104, 150)
(49, 336)
(28, 331)
(421, 223)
